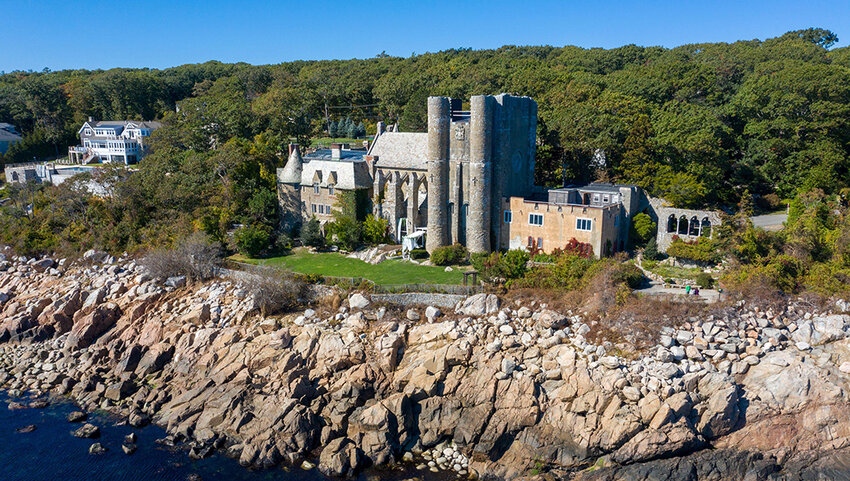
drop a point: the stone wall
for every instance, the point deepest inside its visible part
(661, 212)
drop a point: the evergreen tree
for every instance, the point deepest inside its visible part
(650, 252)
(361, 130)
(311, 233)
(333, 129)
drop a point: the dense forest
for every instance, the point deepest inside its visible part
(701, 125)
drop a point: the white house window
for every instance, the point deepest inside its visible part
(316, 188)
(332, 189)
(88, 131)
(508, 217)
(321, 208)
(584, 224)
(535, 219)
(328, 209)
(313, 207)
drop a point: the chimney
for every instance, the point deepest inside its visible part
(292, 146)
(336, 151)
(90, 119)
(381, 127)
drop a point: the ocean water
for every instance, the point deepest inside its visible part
(51, 453)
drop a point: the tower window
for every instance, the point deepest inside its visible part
(535, 219)
(508, 217)
(584, 224)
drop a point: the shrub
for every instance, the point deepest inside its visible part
(376, 230)
(449, 255)
(251, 240)
(701, 250)
(344, 232)
(628, 274)
(515, 263)
(574, 247)
(418, 254)
(705, 281)
(194, 257)
(650, 252)
(272, 291)
(283, 243)
(311, 234)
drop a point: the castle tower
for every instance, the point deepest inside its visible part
(289, 190)
(480, 173)
(437, 160)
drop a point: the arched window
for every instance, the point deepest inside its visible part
(705, 231)
(14, 176)
(683, 225)
(671, 223)
(694, 227)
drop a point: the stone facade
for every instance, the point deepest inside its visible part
(460, 179)
(688, 224)
(309, 186)
(462, 166)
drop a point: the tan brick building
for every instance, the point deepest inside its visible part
(551, 226)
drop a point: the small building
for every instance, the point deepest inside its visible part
(9, 136)
(122, 141)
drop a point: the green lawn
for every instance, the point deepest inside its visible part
(392, 271)
(327, 141)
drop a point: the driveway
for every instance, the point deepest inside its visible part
(770, 222)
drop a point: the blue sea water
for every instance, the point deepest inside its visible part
(51, 453)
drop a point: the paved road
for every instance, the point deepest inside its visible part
(770, 222)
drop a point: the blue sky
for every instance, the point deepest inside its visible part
(62, 34)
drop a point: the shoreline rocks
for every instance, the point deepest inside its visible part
(485, 389)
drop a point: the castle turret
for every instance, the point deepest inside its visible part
(480, 173)
(289, 190)
(439, 126)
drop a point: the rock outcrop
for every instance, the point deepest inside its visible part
(489, 388)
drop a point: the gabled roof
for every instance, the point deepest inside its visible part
(144, 124)
(401, 150)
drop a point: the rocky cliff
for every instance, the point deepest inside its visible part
(485, 389)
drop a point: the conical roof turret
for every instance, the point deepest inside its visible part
(292, 170)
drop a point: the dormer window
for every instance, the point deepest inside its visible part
(316, 188)
(331, 189)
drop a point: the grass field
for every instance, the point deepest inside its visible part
(332, 264)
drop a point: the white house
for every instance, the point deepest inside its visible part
(112, 141)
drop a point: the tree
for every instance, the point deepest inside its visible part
(642, 229)
(311, 233)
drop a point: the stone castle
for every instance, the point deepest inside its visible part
(468, 180)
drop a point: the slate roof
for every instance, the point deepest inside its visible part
(291, 172)
(349, 174)
(594, 187)
(6, 136)
(401, 150)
